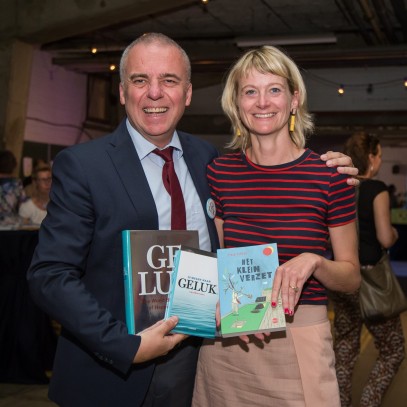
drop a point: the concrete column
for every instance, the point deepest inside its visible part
(16, 61)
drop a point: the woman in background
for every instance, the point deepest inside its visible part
(34, 209)
(375, 235)
(274, 189)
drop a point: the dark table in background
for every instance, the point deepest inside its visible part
(398, 252)
(27, 339)
(399, 220)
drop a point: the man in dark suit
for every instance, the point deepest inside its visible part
(99, 189)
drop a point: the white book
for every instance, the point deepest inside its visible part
(194, 292)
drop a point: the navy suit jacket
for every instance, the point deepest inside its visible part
(76, 275)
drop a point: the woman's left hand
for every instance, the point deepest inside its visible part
(290, 278)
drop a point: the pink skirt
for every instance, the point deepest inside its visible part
(295, 368)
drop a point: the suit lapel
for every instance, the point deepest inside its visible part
(197, 168)
(131, 174)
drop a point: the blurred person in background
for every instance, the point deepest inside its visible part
(34, 210)
(11, 190)
(376, 234)
(394, 200)
(28, 180)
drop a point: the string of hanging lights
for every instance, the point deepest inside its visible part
(369, 87)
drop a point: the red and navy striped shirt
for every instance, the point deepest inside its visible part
(292, 204)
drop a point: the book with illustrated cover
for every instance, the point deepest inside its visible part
(148, 261)
(194, 292)
(246, 277)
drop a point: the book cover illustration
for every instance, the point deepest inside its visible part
(194, 292)
(148, 261)
(246, 277)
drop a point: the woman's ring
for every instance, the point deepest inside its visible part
(295, 288)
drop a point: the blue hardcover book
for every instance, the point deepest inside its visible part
(194, 292)
(246, 277)
(148, 261)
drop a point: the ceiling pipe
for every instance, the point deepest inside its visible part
(372, 19)
(244, 42)
(349, 7)
(383, 15)
(400, 12)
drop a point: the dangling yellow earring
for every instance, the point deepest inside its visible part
(292, 120)
(238, 132)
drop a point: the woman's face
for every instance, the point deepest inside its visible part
(43, 181)
(265, 102)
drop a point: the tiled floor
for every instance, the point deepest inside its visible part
(23, 395)
(14, 395)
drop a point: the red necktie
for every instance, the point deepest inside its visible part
(171, 183)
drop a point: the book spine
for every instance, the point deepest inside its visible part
(128, 282)
(173, 280)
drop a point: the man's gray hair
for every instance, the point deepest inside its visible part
(150, 38)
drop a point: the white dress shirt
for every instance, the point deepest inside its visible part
(152, 166)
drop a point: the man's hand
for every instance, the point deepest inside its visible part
(344, 164)
(156, 340)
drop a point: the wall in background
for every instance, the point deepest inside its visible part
(57, 103)
(57, 109)
(387, 92)
(394, 157)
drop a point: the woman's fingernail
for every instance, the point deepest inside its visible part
(273, 304)
(286, 311)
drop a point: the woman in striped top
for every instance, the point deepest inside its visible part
(274, 189)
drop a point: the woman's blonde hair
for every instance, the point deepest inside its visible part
(266, 60)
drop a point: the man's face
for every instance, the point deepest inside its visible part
(155, 90)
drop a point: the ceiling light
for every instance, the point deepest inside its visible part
(244, 42)
(341, 90)
(112, 67)
(93, 50)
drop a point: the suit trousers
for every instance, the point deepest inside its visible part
(173, 379)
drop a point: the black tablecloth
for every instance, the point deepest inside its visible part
(399, 250)
(27, 340)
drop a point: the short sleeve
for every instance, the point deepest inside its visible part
(341, 201)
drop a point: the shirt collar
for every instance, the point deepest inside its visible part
(144, 147)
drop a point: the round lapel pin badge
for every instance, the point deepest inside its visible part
(211, 208)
